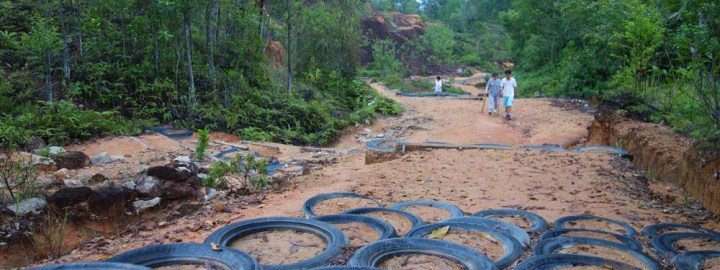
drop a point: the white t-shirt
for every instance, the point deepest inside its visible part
(508, 87)
(438, 86)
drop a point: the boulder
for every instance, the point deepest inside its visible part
(72, 160)
(43, 163)
(28, 206)
(182, 190)
(34, 143)
(169, 173)
(140, 206)
(69, 196)
(110, 201)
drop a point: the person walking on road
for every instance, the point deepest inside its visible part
(508, 85)
(438, 85)
(492, 88)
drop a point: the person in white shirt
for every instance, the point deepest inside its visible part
(438, 85)
(508, 85)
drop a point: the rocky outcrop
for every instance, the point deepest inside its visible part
(111, 201)
(177, 180)
(70, 196)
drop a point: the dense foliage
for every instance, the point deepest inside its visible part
(269, 70)
(654, 59)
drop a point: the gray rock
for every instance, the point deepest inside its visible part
(73, 183)
(116, 158)
(202, 176)
(141, 206)
(27, 206)
(129, 185)
(381, 135)
(100, 159)
(183, 160)
(42, 163)
(148, 186)
(211, 194)
(143, 169)
(55, 150)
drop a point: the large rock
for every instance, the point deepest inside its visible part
(69, 196)
(72, 160)
(148, 187)
(169, 173)
(111, 201)
(34, 143)
(182, 190)
(28, 206)
(43, 163)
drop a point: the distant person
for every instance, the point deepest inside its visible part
(508, 85)
(492, 87)
(438, 85)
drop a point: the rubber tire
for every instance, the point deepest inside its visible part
(493, 146)
(693, 260)
(310, 203)
(652, 231)
(384, 229)
(165, 131)
(539, 224)
(664, 244)
(414, 219)
(93, 266)
(333, 237)
(561, 222)
(372, 254)
(617, 150)
(549, 246)
(164, 255)
(513, 248)
(452, 209)
(222, 154)
(346, 268)
(375, 145)
(510, 229)
(556, 261)
(544, 147)
(627, 241)
(433, 143)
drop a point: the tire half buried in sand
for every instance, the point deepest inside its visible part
(294, 242)
(430, 211)
(356, 228)
(336, 203)
(400, 220)
(571, 261)
(401, 251)
(188, 256)
(599, 248)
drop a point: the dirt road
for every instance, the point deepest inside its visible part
(551, 184)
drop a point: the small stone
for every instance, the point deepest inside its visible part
(27, 206)
(116, 158)
(162, 224)
(140, 206)
(202, 175)
(219, 207)
(55, 150)
(148, 186)
(72, 183)
(183, 160)
(129, 185)
(100, 159)
(194, 227)
(143, 169)
(211, 194)
(381, 135)
(98, 178)
(62, 174)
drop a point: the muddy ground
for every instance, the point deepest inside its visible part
(551, 184)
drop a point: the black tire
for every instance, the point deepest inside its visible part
(452, 209)
(693, 260)
(431, 143)
(513, 248)
(492, 146)
(414, 219)
(627, 241)
(653, 231)
(551, 245)
(375, 145)
(563, 221)
(346, 268)
(371, 255)
(173, 133)
(310, 203)
(511, 229)
(538, 223)
(664, 244)
(333, 237)
(175, 254)
(92, 266)
(619, 151)
(222, 154)
(544, 147)
(384, 229)
(561, 261)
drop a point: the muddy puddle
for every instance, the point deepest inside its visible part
(359, 234)
(339, 205)
(278, 247)
(399, 222)
(419, 262)
(429, 214)
(479, 241)
(603, 252)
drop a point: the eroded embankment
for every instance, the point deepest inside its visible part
(665, 155)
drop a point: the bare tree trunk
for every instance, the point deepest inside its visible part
(289, 45)
(122, 29)
(48, 78)
(209, 41)
(79, 26)
(156, 44)
(188, 54)
(66, 53)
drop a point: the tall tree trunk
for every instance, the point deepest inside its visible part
(48, 78)
(156, 45)
(122, 29)
(66, 53)
(80, 30)
(289, 45)
(188, 55)
(209, 41)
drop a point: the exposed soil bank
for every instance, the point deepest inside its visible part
(665, 155)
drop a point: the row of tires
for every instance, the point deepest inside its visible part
(378, 145)
(216, 251)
